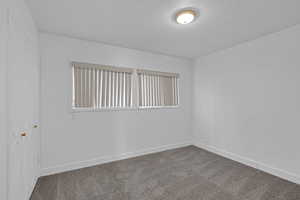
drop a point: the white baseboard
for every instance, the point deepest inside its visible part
(252, 163)
(107, 159)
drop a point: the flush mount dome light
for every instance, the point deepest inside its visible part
(186, 16)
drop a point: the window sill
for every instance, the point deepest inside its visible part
(78, 110)
(157, 107)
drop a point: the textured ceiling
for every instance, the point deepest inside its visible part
(148, 24)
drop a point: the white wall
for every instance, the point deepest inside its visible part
(247, 102)
(3, 102)
(82, 139)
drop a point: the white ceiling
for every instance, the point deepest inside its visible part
(148, 24)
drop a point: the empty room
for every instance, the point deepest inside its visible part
(149, 100)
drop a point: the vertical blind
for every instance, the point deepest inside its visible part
(97, 86)
(100, 87)
(157, 89)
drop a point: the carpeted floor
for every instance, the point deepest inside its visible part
(187, 173)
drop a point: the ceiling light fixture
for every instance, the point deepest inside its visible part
(186, 16)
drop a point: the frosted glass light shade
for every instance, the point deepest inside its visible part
(185, 16)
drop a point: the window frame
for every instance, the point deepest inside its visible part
(134, 92)
(140, 71)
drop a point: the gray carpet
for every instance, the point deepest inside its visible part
(187, 173)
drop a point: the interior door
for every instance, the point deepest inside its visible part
(23, 105)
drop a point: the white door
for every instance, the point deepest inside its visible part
(23, 97)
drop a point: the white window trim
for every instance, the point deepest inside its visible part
(80, 110)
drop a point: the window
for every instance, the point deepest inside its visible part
(157, 89)
(106, 87)
(99, 87)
